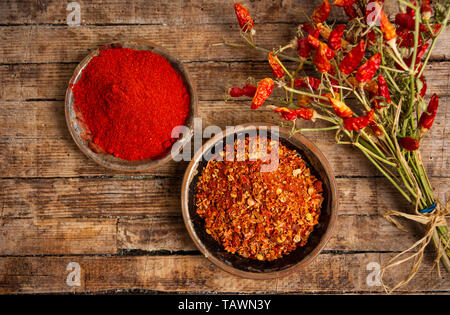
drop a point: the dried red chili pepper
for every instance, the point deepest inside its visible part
(321, 60)
(386, 27)
(286, 113)
(410, 11)
(335, 39)
(409, 143)
(303, 100)
(351, 12)
(427, 118)
(357, 123)
(313, 82)
(248, 90)
(344, 3)
(243, 16)
(341, 109)
(426, 10)
(351, 61)
(420, 52)
(277, 69)
(376, 129)
(313, 41)
(304, 48)
(308, 29)
(305, 113)
(383, 89)
(321, 13)
(371, 37)
(263, 91)
(406, 38)
(366, 72)
(423, 91)
(407, 21)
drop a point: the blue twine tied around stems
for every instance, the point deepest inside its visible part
(429, 209)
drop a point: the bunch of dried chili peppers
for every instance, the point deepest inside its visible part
(368, 84)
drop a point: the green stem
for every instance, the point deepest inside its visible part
(259, 49)
(387, 176)
(362, 148)
(306, 93)
(317, 129)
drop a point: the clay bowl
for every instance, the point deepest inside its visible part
(78, 131)
(250, 268)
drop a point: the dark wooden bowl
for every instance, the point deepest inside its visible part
(75, 121)
(251, 268)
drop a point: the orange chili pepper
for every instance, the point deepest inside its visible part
(321, 59)
(303, 100)
(386, 27)
(341, 109)
(305, 113)
(321, 13)
(357, 123)
(286, 113)
(344, 3)
(263, 91)
(277, 69)
(244, 19)
(366, 72)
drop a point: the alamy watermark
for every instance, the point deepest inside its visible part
(263, 144)
(74, 16)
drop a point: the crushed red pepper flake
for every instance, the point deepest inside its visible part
(259, 215)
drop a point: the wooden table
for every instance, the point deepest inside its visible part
(68, 225)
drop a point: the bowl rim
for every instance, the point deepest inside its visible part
(192, 170)
(152, 163)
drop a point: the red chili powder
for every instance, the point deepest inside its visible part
(130, 101)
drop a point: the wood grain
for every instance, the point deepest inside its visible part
(149, 196)
(354, 233)
(328, 273)
(126, 230)
(24, 82)
(57, 236)
(79, 41)
(35, 142)
(143, 12)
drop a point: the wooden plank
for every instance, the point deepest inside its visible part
(212, 79)
(143, 12)
(327, 273)
(147, 197)
(352, 233)
(34, 142)
(189, 43)
(57, 236)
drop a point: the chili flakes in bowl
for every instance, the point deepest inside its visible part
(259, 215)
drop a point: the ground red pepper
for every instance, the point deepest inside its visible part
(130, 101)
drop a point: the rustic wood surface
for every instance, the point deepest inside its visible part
(60, 211)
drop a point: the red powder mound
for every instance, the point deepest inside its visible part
(130, 101)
